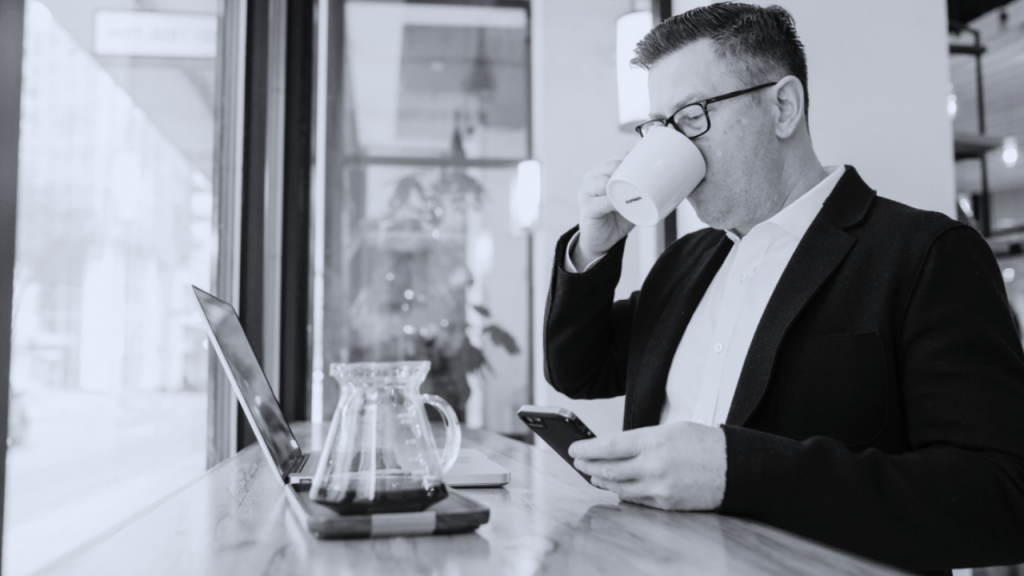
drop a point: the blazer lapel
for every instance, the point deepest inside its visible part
(649, 385)
(820, 252)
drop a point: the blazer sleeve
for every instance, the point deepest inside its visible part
(586, 333)
(957, 498)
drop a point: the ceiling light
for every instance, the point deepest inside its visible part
(525, 196)
(634, 102)
(1010, 151)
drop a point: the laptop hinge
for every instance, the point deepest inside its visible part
(295, 463)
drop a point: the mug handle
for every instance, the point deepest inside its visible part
(452, 431)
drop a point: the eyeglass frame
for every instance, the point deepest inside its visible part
(704, 107)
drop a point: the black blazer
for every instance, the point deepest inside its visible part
(880, 408)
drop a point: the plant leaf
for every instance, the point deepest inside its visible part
(502, 338)
(468, 359)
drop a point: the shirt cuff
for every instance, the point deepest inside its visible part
(569, 267)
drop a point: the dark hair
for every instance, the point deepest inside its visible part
(761, 42)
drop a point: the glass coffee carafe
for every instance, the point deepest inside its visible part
(380, 454)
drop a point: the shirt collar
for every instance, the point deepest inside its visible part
(797, 217)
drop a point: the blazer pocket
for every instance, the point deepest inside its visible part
(837, 385)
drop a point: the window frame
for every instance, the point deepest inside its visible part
(12, 29)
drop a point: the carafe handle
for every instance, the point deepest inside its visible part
(452, 432)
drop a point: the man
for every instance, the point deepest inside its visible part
(821, 359)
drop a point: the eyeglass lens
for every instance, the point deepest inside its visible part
(692, 121)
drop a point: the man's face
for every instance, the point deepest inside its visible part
(741, 149)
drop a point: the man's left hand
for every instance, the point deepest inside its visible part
(677, 466)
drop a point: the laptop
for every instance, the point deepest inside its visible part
(472, 469)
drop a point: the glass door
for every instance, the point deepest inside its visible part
(418, 254)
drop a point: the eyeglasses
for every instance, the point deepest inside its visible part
(692, 120)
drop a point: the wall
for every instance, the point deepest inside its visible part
(575, 122)
(878, 81)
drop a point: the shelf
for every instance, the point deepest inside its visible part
(974, 145)
(966, 49)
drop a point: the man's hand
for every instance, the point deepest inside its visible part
(677, 466)
(600, 225)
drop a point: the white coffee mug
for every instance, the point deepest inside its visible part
(655, 177)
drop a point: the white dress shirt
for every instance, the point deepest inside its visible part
(706, 367)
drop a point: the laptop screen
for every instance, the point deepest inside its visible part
(250, 383)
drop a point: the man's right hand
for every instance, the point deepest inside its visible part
(600, 225)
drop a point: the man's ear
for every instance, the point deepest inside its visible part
(788, 100)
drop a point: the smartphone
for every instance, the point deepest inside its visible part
(559, 427)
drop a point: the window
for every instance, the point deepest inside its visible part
(418, 255)
(115, 204)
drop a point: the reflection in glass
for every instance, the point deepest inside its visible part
(419, 251)
(421, 72)
(422, 260)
